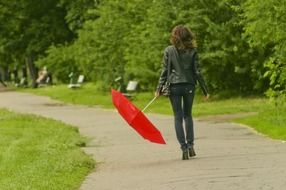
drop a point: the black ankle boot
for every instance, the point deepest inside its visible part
(192, 152)
(185, 155)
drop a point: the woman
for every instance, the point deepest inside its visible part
(182, 76)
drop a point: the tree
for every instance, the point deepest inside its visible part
(102, 41)
(265, 28)
(78, 11)
(73, 55)
(127, 38)
(30, 28)
(230, 63)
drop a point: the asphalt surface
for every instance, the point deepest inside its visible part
(229, 156)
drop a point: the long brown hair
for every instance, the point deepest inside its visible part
(183, 38)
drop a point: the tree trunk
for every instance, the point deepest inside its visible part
(33, 71)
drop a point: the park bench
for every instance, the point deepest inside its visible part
(130, 89)
(79, 82)
(47, 81)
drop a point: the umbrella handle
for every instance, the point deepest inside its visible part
(149, 103)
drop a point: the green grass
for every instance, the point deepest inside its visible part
(89, 95)
(204, 108)
(270, 122)
(40, 154)
(265, 122)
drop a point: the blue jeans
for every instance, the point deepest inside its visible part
(182, 96)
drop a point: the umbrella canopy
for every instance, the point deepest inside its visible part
(136, 119)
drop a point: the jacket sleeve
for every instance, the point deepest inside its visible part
(198, 74)
(164, 71)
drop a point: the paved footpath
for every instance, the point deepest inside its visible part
(229, 156)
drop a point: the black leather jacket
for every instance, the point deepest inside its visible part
(184, 68)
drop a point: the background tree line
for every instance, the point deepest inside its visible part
(242, 43)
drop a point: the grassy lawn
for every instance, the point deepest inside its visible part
(269, 120)
(88, 95)
(40, 154)
(271, 123)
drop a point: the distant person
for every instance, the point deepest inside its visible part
(183, 76)
(42, 76)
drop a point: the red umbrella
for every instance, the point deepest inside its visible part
(136, 119)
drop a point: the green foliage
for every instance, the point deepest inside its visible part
(229, 62)
(241, 42)
(107, 37)
(128, 39)
(146, 42)
(77, 12)
(265, 24)
(32, 26)
(276, 71)
(61, 61)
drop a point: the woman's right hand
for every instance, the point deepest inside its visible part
(157, 94)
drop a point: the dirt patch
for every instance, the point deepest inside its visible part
(225, 117)
(54, 104)
(4, 89)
